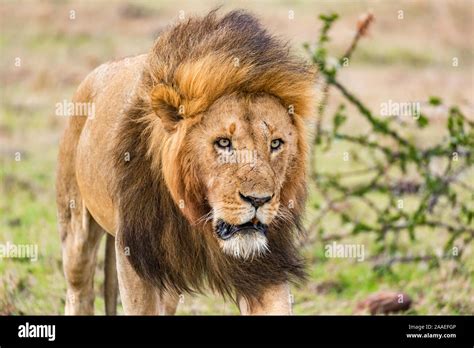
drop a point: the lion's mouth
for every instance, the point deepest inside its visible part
(225, 230)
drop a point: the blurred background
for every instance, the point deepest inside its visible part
(48, 47)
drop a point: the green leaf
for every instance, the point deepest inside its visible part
(435, 101)
(329, 18)
(321, 232)
(380, 126)
(361, 227)
(453, 198)
(411, 232)
(422, 121)
(403, 164)
(339, 118)
(345, 219)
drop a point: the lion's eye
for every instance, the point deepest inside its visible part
(223, 143)
(276, 144)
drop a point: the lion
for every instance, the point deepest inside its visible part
(194, 166)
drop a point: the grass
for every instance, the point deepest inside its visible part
(56, 54)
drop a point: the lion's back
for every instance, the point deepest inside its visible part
(107, 91)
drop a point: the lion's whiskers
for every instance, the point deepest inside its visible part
(285, 215)
(205, 218)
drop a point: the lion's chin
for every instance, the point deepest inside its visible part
(247, 245)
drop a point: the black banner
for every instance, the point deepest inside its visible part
(200, 330)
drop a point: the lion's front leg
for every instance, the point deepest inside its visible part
(138, 297)
(276, 300)
(168, 303)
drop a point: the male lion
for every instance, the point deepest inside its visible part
(195, 160)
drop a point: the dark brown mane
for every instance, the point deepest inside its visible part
(164, 248)
(197, 61)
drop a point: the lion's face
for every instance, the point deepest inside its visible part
(243, 147)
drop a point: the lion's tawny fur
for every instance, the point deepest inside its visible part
(190, 66)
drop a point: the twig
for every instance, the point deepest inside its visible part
(362, 28)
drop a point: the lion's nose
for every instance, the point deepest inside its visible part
(255, 201)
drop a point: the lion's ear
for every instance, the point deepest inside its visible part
(166, 103)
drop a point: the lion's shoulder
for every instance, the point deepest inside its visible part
(113, 77)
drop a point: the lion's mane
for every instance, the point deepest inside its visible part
(158, 192)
